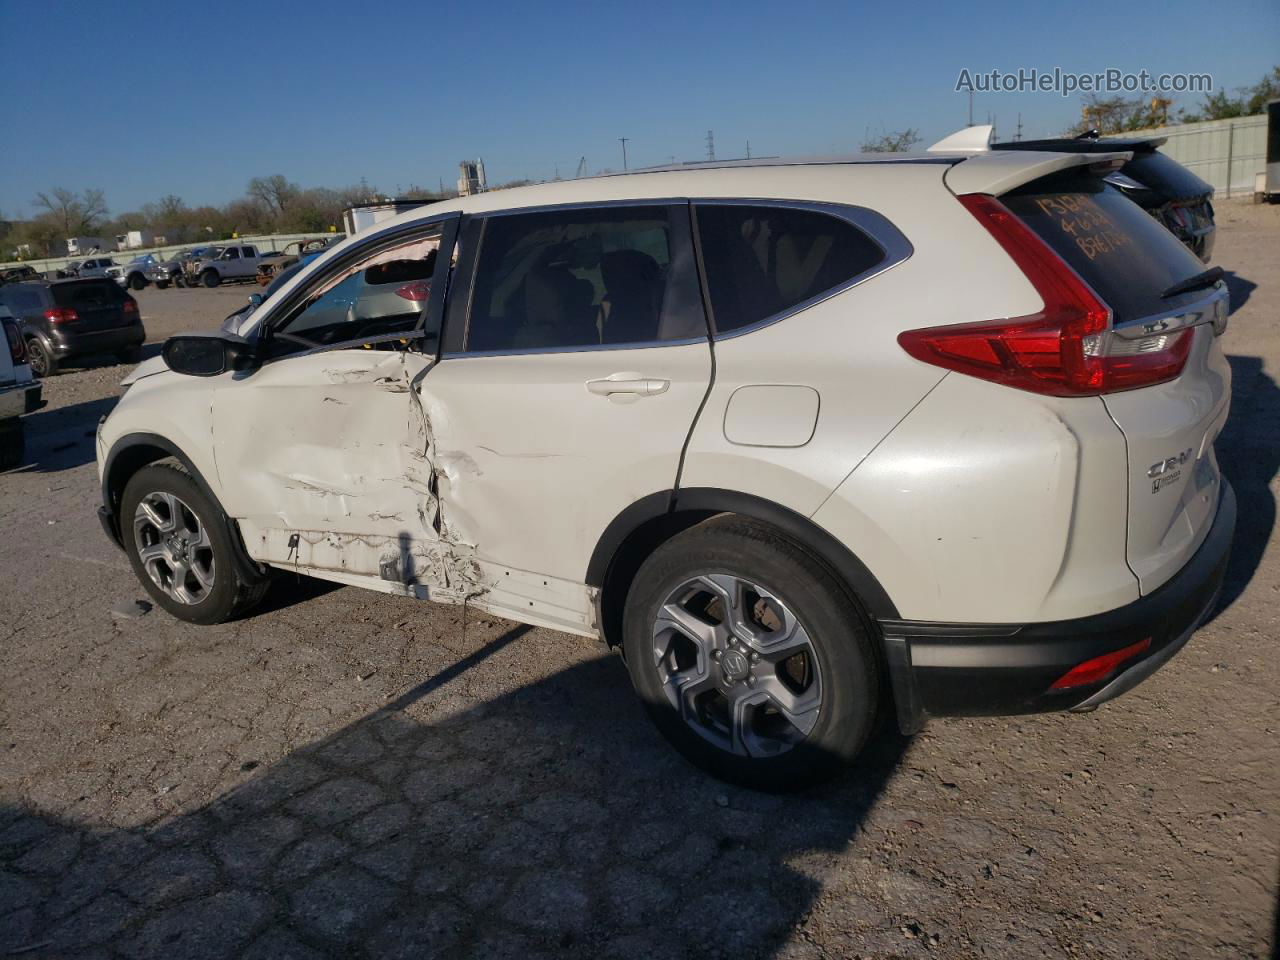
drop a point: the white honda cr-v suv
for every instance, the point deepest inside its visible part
(930, 434)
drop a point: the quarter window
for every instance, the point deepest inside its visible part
(570, 279)
(764, 260)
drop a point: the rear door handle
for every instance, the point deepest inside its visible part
(632, 384)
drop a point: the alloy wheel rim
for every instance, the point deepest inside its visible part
(173, 545)
(737, 665)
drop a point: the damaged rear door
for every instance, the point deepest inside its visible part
(323, 452)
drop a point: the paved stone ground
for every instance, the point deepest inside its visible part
(345, 774)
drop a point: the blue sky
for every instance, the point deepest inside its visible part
(144, 99)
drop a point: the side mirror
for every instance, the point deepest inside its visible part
(255, 300)
(206, 354)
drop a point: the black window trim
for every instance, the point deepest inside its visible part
(878, 228)
(447, 222)
(674, 204)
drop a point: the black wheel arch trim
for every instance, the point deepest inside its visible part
(250, 571)
(713, 500)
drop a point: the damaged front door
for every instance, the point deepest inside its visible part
(324, 453)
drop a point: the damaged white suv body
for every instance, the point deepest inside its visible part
(929, 434)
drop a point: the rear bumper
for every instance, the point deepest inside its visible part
(19, 398)
(947, 669)
(67, 343)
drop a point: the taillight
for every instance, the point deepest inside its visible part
(418, 290)
(1099, 668)
(17, 347)
(1067, 348)
(61, 315)
(130, 306)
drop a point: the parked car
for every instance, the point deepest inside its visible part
(172, 271)
(271, 264)
(92, 267)
(954, 454)
(1156, 182)
(219, 264)
(137, 273)
(70, 319)
(18, 274)
(19, 393)
(236, 319)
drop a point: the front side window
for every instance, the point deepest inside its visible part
(763, 260)
(232, 253)
(384, 294)
(580, 278)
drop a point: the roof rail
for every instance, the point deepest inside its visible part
(967, 140)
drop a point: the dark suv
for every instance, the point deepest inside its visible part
(62, 319)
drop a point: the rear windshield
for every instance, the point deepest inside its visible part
(87, 293)
(1117, 247)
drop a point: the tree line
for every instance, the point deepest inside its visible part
(272, 204)
(1122, 114)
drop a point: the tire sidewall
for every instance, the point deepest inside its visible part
(841, 643)
(37, 349)
(221, 600)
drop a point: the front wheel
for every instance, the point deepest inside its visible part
(210, 279)
(180, 547)
(137, 281)
(161, 284)
(750, 657)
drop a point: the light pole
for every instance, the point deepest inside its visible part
(623, 141)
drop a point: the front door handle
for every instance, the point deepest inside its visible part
(632, 384)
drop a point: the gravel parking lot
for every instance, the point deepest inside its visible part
(346, 774)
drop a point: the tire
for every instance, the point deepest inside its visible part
(130, 355)
(13, 444)
(43, 363)
(210, 278)
(804, 714)
(211, 589)
(137, 281)
(162, 284)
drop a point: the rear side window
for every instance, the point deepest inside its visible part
(580, 278)
(87, 293)
(1117, 247)
(761, 260)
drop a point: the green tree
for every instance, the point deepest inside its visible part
(894, 142)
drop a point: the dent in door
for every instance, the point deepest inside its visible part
(374, 518)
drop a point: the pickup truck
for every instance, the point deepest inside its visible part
(19, 392)
(223, 263)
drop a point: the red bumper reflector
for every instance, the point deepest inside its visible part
(1091, 671)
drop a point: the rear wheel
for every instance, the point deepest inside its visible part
(210, 278)
(750, 656)
(180, 549)
(43, 363)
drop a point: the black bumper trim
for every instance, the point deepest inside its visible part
(951, 669)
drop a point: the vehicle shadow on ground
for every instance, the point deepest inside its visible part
(1250, 458)
(63, 438)
(548, 821)
(1239, 288)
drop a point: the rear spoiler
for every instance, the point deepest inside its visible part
(999, 172)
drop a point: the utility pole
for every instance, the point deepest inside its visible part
(1018, 135)
(623, 141)
(748, 149)
(711, 145)
(971, 108)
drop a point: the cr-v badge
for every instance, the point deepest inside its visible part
(1167, 471)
